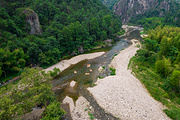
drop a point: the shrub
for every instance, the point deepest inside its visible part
(175, 79)
(163, 67)
(53, 111)
(113, 71)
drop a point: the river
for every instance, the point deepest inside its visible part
(61, 84)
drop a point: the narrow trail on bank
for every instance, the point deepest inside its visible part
(123, 95)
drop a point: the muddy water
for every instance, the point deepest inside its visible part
(61, 84)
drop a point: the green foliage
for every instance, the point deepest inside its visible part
(53, 111)
(175, 79)
(163, 67)
(114, 56)
(66, 25)
(100, 77)
(91, 116)
(173, 113)
(150, 19)
(32, 90)
(151, 45)
(12, 61)
(157, 65)
(0, 71)
(55, 72)
(113, 71)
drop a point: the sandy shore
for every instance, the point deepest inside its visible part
(62, 65)
(123, 95)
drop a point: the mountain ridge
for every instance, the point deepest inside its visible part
(126, 9)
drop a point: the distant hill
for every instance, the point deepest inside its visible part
(145, 8)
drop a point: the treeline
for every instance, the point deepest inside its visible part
(159, 67)
(32, 91)
(67, 26)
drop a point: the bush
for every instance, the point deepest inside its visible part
(163, 67)
(175, 79)
(55, 72)
(113, 71)
(53, 111)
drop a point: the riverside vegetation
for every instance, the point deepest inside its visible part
(67, 25)
(33, 90)
(157, 66)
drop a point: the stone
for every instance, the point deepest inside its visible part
(109, 45)
(108, 41)
(100, 69)
(80, 49)
(103, 46)
(73, 53)
(73, 83)
(32, 19)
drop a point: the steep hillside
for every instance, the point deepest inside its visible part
(109, 3)
(127, 9)
(43, 32)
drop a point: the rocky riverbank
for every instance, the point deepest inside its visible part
(123, 95)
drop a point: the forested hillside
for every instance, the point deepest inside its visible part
(109, 3)
(65, 26)
(133, 10)
(159, 16)
(157, 65)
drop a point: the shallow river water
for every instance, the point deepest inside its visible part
(61, 84)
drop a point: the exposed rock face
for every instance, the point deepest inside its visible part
(128, 8)
(80, 49)
(32, 19)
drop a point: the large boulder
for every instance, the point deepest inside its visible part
(32, 19)
(80, 49)
(108, 41)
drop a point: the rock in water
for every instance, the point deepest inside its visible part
(73, 83)
(32, 19)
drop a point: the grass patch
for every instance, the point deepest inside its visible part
(138, 46)
(100, 77)
(91, 117)
(103, 67)
(113, 71)
(114, 56)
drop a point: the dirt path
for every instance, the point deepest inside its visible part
(123, 95)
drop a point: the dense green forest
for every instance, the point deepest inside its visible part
(66, 26)
(157, 65)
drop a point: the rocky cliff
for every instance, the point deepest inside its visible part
(128, 8)
(32, 19)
